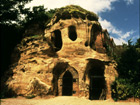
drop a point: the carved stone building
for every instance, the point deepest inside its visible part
(70, 59)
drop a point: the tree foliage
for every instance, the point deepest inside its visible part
(128, 83)
(128, 65)
(10, 15)
(38, 15)
(11, 10)
(14, 20)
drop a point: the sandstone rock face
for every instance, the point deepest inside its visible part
(70, 59)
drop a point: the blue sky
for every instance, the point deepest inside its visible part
(119, 17)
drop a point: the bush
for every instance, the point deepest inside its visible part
(121, 89)
(137, 90)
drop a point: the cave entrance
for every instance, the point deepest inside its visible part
(57, 40)
(97, 85)
(67, 84)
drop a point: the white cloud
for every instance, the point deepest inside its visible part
(119, 41)
(107, 25)
(127, 34)
(129, 2)
(117, 32)
(96, 6)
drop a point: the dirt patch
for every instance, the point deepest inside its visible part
(62, 100)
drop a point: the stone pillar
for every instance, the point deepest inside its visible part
(108, 83)
(76, 87)
(60, 87)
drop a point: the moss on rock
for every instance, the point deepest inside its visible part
(74, 11)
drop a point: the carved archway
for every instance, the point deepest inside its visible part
(67, 82)
(74, 78)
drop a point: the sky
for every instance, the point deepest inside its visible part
(119, 17)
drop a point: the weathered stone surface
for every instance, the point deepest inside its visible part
(38, 87)
(71, 56)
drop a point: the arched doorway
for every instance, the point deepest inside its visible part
(67, 84)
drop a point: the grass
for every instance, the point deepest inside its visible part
(35, 36)
(30, 96)
(77, 9)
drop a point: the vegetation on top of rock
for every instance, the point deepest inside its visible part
(36, 20)
(74, 11)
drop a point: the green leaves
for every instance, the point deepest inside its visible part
(10, 10)
(128, 84)
(122, 89)
(39, 15)
(128, 62)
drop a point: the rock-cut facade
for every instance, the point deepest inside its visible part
(71, 58)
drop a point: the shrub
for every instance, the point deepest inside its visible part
(137, 90)
(121, 89)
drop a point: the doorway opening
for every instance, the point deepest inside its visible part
(97, 85)
(67, 84)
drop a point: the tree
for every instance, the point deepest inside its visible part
(38, 15)
(13, 25)
(11, 31)
(128, 66)
(129, 72)
(11, 10)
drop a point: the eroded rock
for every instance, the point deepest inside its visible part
(70, 59)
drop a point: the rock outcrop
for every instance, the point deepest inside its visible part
(70, 59)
